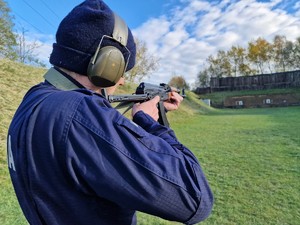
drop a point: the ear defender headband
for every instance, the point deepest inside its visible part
(108, 65)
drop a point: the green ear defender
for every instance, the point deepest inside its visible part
(108, 65)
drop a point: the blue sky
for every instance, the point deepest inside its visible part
(181, 33)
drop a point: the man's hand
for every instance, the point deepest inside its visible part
(173, 102)
(148, 107)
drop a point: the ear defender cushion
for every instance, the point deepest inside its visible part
(107, 68)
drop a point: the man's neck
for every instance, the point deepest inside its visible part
(83, 80)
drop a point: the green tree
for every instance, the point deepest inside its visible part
(238, 60)
(203, 78)
(7, 37)
(281, 55)
(219, 66)
(246, 70)
(178, 82)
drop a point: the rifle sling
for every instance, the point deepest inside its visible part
(59, 81)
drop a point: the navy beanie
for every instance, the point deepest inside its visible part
(79, 34)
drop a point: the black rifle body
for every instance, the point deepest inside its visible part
(145, 92)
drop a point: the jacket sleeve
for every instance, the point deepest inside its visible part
(201, 184)
(138, 165)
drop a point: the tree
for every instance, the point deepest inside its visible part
(178, 82)
(259, 53)
(25, 50)
(238, 59)
(145, 63)
(7, 37)
(296, 54)
(219, 66)
(289, 55)
(281, 55)
(235, 54)
(203, 78)
(245, 70)
(282, 52)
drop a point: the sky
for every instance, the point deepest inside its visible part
(181, 34)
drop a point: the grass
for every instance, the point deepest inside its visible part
(15, 79)
(252, 160)
(251, 157)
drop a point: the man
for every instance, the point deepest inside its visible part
(74, 159)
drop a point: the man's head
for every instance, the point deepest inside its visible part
(80, 33)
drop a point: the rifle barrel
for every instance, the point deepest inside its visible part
(128, 98)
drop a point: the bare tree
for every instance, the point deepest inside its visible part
(25, 50)
(295, 57)
(283, 50)
(145, 63)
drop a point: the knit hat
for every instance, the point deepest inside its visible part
(79, 34)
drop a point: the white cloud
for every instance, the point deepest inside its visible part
(41, 44)
(195, 29)
(45, 49)
(190, 33)
(43, 53)
(173, 39)
(152, 32)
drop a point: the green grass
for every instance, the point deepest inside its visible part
(251, 157)
(252, 160)
(15, 79)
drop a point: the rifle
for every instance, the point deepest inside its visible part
(145, 92)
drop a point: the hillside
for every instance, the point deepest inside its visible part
(17, 78)
(250, 156)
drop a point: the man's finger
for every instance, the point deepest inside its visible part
(156, 99)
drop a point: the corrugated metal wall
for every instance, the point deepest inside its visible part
(257, 82)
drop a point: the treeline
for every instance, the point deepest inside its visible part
(259, 57)
(14, 46)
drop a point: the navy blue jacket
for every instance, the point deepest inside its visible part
(74, 159)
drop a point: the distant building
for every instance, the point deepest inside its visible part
(255, 101)
(257, 82)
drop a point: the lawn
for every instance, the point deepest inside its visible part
(251, 158)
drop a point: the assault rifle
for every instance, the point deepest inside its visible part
(145, 92)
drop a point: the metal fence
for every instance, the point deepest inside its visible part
(257, 82)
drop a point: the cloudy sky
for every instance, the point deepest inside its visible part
(181, 33)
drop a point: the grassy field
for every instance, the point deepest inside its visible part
(251, 157)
